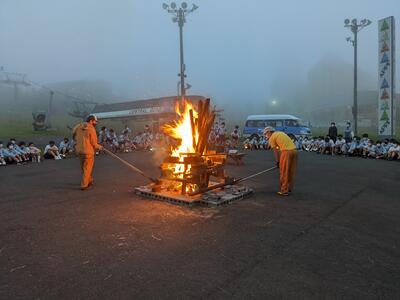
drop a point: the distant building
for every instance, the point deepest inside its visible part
(152, 112)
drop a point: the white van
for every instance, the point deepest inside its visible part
(289, 124)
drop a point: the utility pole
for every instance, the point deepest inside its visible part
(355, 27)
(179, 16)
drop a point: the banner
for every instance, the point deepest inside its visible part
(135, 112)
(386, 88)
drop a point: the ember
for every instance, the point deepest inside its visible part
(191, 164)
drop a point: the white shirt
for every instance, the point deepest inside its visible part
(48, 147)
(395, 149)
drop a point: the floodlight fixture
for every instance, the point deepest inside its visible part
(354, 21)
(347, 22)
(179, 16)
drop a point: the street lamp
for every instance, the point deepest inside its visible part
(355, 27)
(179, 16)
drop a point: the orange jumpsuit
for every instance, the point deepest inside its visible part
(85, 137)
(288, 159)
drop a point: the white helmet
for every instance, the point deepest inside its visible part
(269, 129)
(91, 117)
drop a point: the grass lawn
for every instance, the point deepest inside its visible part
(20, 125)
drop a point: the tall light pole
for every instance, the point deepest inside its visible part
(355, 27)
(179, 16)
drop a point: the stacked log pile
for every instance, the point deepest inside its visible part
(202, 125)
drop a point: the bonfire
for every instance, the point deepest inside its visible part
(191, 163)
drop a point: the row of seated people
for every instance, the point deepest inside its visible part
(21, 153)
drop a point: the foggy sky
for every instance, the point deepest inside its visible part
(234, 49)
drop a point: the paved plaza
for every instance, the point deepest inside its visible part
(337, 236)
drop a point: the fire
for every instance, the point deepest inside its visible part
(191, 163)
(182, 130)
(187, 134)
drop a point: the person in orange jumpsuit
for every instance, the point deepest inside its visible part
(285, 154)
(86, 145)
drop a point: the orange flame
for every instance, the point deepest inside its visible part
(182, 130)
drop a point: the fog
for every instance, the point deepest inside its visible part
(243, 54)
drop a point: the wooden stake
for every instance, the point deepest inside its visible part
(192, 125)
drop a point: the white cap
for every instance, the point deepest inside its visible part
(269, 129)
(91, 117)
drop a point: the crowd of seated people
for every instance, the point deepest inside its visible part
(358, 147)
(20, 153)
(13, 152)
(365, 147)
(256, 143)
(126, 142)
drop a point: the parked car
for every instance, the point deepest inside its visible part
(255, 125)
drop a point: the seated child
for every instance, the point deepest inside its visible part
(345, 148)
(11, 155)
(380, 151)
(24, 151)
(328, 145)
(51, 151)
(307, 143)
(136, 141)
(263, 143)
(113, 140)
(394, 151)
(65, 147)
(125, 142)
(369, 151)
(34, 152)
(2, 155)
(319, 144)
(364, 142)
(339, 144)
(246, 144)
(254, 144)
(354, 147)
(21, 153)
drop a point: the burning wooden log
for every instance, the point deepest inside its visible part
(205, 121)
(189, 167)
(193, 127)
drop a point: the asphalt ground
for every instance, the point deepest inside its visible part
(336, 237)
